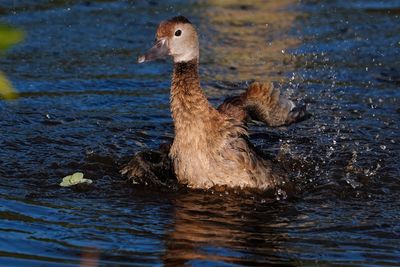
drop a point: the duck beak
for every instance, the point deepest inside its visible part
(159, 50)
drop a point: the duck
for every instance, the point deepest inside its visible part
(211, 146)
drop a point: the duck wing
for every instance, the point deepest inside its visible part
(263, 102)
(152, 168)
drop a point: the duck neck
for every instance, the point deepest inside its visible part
(188, 102)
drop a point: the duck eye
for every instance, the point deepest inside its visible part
(178, 33)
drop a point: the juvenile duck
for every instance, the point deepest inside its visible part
(211, 147)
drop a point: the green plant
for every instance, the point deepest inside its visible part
(9, 36)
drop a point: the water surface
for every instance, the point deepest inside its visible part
(85, 105)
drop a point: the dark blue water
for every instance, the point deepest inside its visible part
(85, 105)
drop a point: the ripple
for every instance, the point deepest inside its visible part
(85, 105)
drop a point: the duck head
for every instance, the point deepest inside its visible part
(175, 37)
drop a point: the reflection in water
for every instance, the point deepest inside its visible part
(224, 228)
(246, 41)
(90, 258)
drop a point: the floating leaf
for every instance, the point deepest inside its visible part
(74, 179)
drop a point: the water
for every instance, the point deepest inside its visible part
(86, 106)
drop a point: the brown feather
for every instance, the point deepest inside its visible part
(263, 102)
(211, 146)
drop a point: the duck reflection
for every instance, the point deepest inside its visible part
(225, 228)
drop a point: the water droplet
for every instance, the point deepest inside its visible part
(383, 147)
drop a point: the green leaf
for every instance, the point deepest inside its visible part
(74, 179)
(9, 36)
(6, 90)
